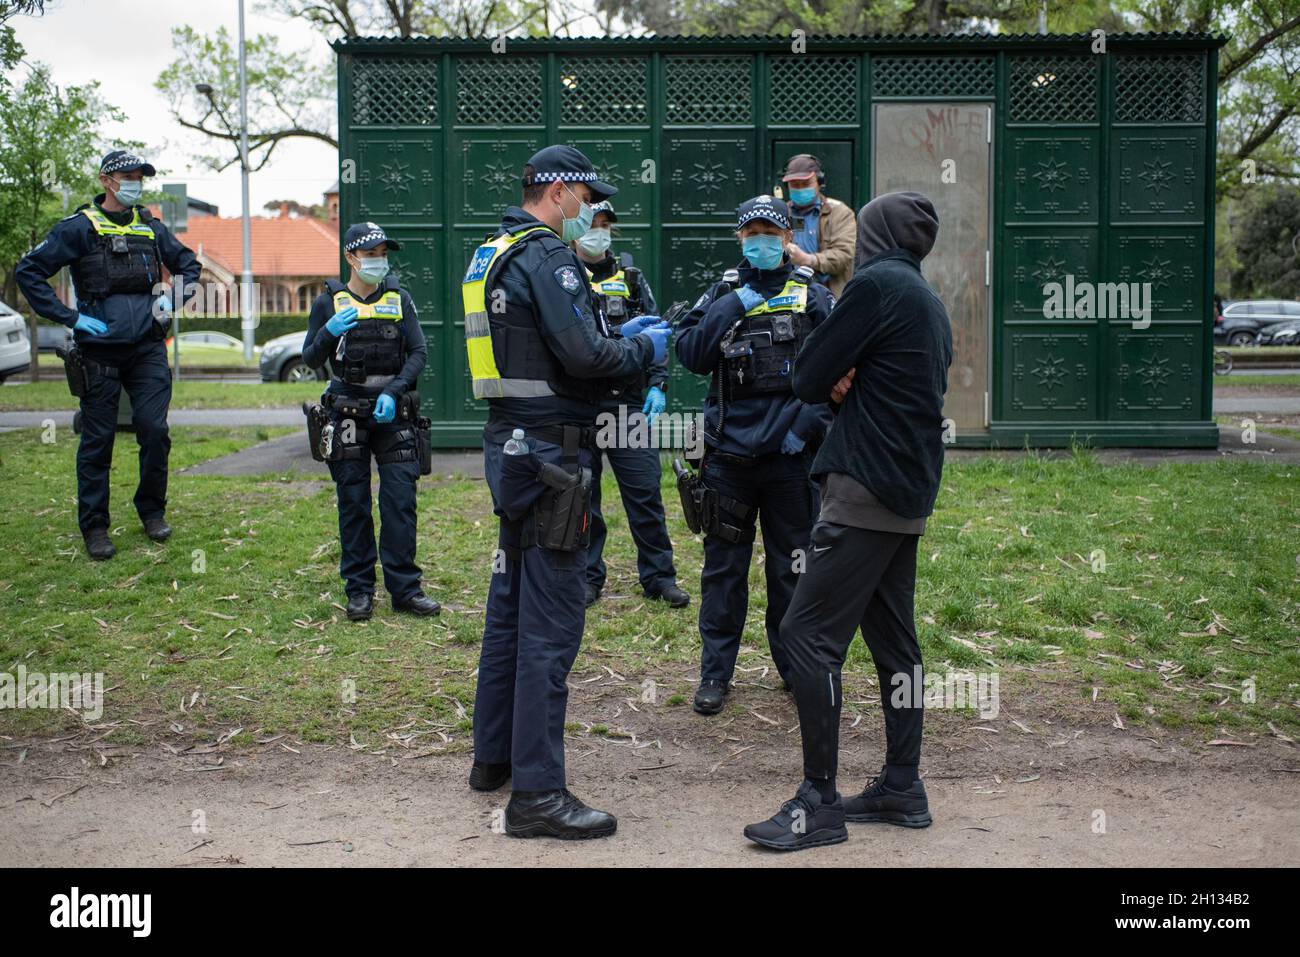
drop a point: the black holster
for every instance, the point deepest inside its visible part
(561, 516)
(424, 445)
(320, 431)
(690, 490)
(74, 367)
(705, 510)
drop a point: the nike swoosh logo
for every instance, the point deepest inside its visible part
(824, 548)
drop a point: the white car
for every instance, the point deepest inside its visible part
(15, 347)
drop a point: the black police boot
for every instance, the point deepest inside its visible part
(593, 594)
(485, 776)
(674, 596)
(878, 803)
(157, 529)
(709, 696)
(98, 545)
(361, 607)
(418, 604)
(555, 814)
(803, 821)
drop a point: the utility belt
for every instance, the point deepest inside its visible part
(336, 442)
(559, 516)
(711, 513)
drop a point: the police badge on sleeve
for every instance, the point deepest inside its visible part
(568, 279)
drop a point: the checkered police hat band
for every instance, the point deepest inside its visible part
(764, 212)
(361, 241)
(567, 177)
(121, 162)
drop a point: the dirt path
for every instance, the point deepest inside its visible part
(682, 787)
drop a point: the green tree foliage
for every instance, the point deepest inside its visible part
(1266, 236)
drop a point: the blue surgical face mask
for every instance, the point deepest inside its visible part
(594, 242)
(763, 251)
(373, 269)
(129, 191)
(802, 197)
(573, 229)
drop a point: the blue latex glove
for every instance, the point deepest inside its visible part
(638, 325)
(385, 407)
(659, 335)
(791, 444)
(90, 325)
(165, 303)
(342, 321)
(749, 298)
(655, 402)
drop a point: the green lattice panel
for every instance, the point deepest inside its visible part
(1158, 176)
(394, 91)
(501, 91)
(621, 157)
(1049, 374)
(1053, 88)
(1154, 373)
(491, 166)
(1165, 88)
(1033, 258)
(813, 89)
(933, 76)
(636, 241)
(1172, 262)
(708, 89)
(605, 90)
(708, 175)
(1053, 175)
(395, 176)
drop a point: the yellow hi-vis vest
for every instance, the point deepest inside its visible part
(106, 227)
(793, 297)
(615, 285)
(387, 306)
(488, 382)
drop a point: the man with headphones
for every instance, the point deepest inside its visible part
(825, 229)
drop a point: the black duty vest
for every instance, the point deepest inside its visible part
(759, 349)
(122, 259)
(372, 352)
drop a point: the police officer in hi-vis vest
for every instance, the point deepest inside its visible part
(746, 330)
(368, 336)
(117, 251)
(536, 356)
(620, 292)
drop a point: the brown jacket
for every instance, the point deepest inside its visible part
(837, 230)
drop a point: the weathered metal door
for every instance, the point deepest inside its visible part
(944, 151)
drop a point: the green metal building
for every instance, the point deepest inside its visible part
(1048, 163)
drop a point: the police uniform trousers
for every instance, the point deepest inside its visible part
(638, 473)
(531, 633)
(777, 486)
(856, 578)
(142, 370)
(397, 487)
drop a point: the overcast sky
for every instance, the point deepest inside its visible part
(125, 44)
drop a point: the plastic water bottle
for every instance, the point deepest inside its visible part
(515, 445)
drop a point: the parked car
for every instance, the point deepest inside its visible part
(15, 347)
(1281, 334)
(218, 340)
(51, 336)
(1245, 318)
(282, 360)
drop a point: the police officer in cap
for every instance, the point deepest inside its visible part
(746, 331)
(620, 292)
(368, 336)
(536, 355)
(117, 251)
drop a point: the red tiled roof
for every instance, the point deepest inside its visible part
(281, 246)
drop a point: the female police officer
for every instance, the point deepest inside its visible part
(367, 334)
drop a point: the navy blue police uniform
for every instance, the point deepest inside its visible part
(384, 353)
(748, 410)
(621, 292)
(117, 260)
(536, 355)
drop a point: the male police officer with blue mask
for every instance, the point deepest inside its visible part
(746, 330)
(368, 335)
(117, 251)
(620, 292)
(536, 355)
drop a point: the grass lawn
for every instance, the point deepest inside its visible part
(52, 395)
(1285, 381)
(236, 625)
(193, 354)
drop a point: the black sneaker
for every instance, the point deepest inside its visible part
(593, 594)
(361, 607)
(157, 529)
(670, 593)
(98, 545)
(555, 814)
(803, 822)
(709, 696)
(486, 776)
(880, 804)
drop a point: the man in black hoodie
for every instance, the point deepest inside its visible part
(882, 360)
